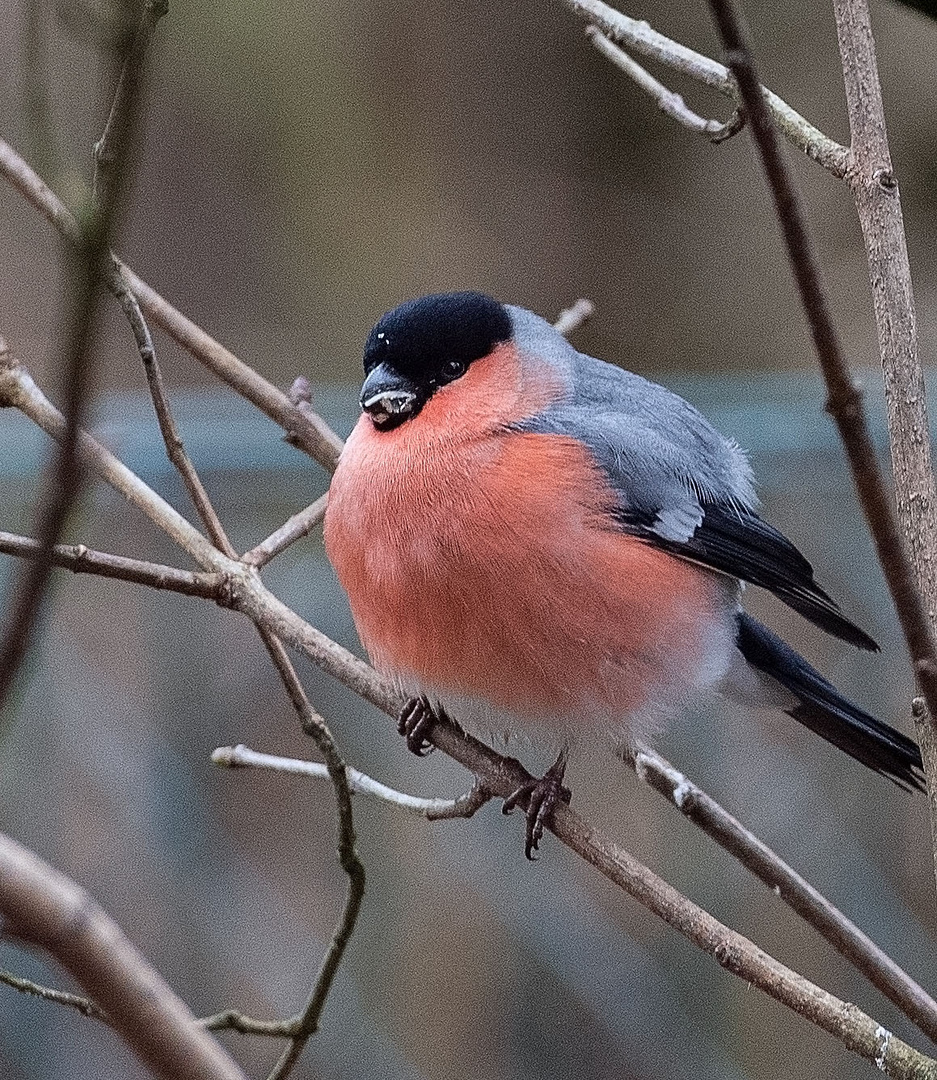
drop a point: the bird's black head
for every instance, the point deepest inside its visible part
(423, 345)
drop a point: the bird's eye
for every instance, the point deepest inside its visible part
(451, 369)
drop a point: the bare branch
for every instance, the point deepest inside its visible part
(175, 448)
(798, 894)
(42, 906)
(304, 428)
(315, 726)
(82, 560)
(359, 783)
(875, 190)
(668, 101)
(640, 38)
(61, 997)
(298, 526)
(844, 402)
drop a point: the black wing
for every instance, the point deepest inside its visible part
(736, 541)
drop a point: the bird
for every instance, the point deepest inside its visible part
(536, 541)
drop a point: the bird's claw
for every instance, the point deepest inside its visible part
(415, 722)
(542, 796)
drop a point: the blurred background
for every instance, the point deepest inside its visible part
(301, 170)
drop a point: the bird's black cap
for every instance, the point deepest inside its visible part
(430, 339)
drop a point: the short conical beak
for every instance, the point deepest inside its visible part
(389, 398)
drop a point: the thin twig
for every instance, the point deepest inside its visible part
(668, 101)
(82, 560)
(359, 783)
(315, 726)
(786, 883)
(42, 906)
(844, 401)
(61, 997)
(111, 149)
(232, 1020)
(298, 526)
(62, 482)
(638, 37)
(227, 1020)
(175, 448)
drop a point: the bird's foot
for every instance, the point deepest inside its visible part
(542, 796)
(415, 722)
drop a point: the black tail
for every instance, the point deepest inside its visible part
(823, 709)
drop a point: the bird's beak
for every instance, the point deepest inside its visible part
(389, 398)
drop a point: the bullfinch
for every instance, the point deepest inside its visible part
(532, 539)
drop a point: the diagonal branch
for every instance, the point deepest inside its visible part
(298, 526)
(305, 430)
(313, 725)
(499, 775)
(175, 448)
(798, 894)
(42, 906)
(637, 36)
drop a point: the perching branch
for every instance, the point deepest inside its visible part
(43, 907)
(844, 402)
(711, 818)
(499, 775)
(798, 894)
